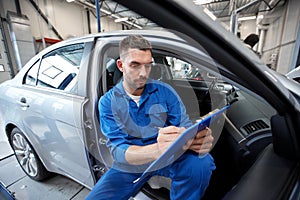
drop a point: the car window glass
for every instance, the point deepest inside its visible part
(166, 67)
(183, 70)
(59, 69)
(179, 68)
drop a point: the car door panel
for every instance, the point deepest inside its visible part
(55, 124)
(273, 173)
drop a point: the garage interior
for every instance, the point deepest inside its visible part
(29, 26)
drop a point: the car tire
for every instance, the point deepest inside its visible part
(27, 157)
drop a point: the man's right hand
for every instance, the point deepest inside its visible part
(166, 136)
(138, 155)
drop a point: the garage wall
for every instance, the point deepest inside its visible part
(279, 35)
(289, 44)
(64, 17)
(280, 49)
(69, 19)
(273, 26)
(247, 27)
(5, 71)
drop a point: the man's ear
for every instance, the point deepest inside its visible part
(120, 65)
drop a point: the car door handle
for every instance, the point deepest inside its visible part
(23, 102)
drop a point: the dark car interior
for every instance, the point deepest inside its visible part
(246, 132)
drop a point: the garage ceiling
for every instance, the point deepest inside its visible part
(220, 8)
(224, 8)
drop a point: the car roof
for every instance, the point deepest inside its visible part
(119, 33)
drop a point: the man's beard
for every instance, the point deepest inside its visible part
(143, 79)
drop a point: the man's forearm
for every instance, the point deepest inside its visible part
(138, 155)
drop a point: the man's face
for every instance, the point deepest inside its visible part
(136, 67)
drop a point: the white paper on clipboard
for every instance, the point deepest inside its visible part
(168, 157)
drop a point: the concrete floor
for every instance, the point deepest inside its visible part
(24, 188)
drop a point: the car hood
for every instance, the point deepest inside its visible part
(295, 73)
(291, 85)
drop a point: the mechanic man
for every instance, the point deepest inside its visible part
(141, 117)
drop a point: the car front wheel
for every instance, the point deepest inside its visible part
(27, 157)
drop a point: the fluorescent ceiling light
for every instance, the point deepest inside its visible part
(210, 14)
(69, 1)
(105, 11)
(260, 17)
(201, 2)
(114, 16)
(122, 19)
(246, 18)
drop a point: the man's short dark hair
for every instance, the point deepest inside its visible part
(133, 42)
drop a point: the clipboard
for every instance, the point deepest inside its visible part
(169, 155)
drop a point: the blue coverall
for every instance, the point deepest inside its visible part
(124, 124)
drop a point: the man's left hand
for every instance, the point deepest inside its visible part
(202, 142)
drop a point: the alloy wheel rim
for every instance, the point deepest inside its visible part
(24, 154)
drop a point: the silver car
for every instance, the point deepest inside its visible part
(50, 113)
(294, 74)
